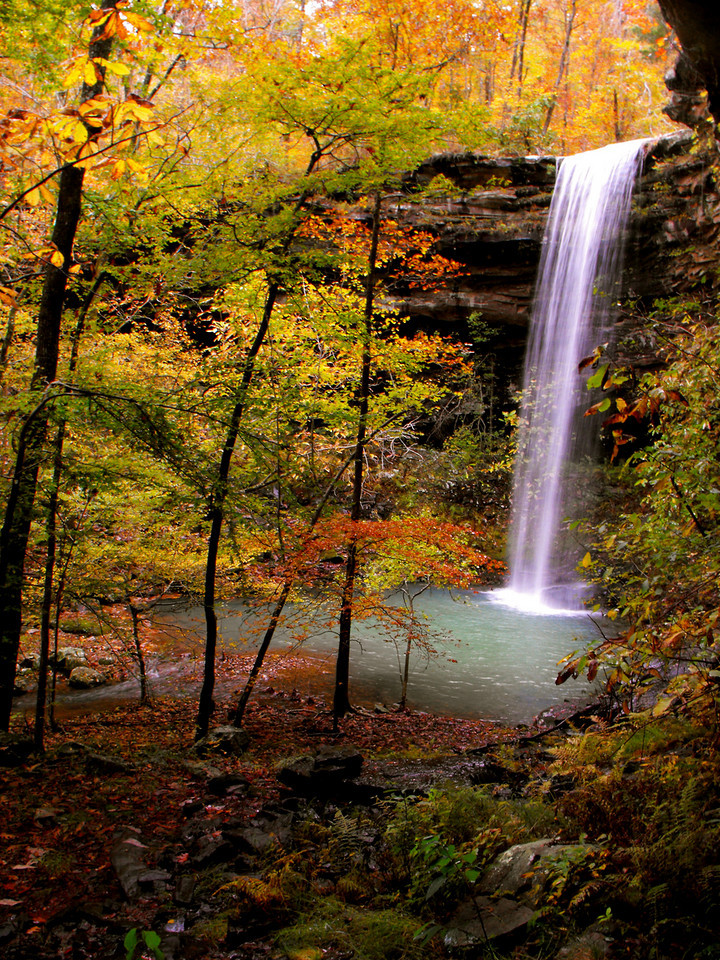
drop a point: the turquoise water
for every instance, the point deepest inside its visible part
(491, 660)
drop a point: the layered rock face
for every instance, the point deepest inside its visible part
(492, 226)
(697, 26)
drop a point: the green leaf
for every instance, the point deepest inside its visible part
(437, 883)
(130, 942)
(596, 380)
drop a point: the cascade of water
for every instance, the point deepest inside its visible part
(579, 271)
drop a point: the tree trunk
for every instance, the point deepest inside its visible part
(51, 531)
(239, 711)
(138, 654)
(18, 515)
(7, 341)
(341, 698)
(219, 494)
(47, 601)
(518, 64)
(570, 11)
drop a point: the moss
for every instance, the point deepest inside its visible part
(367, 935)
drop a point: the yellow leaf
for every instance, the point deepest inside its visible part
(76, 268)
(140, 23)
(90, 74)
(118, 69)
(57, 259)
(139, 112)
(586, 561)
(662, 706)
(7, 296)
(76, 71)
(79, 132)
(118, 170)
(33, 198)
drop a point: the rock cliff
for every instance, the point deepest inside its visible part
(489, 218)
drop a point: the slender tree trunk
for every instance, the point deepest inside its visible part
(47, 601)
(139, 655)
(564, 62)
(522, 39)
(18, 515)
(51, 533)
(239, 711)
(219, 494)
(7, 341)
(341, 698)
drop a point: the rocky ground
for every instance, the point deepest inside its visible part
(402, 836)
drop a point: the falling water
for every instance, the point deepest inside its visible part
(579, 271)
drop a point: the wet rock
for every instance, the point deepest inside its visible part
(85, 678)
(184, 889)
(200, 769)
(154, 881)
(227, 783)
(189, 808)
(490, 772)
(484, 918)
(25, 682)
(321, 774)
(68, 658)
(106, 763)
(211, 850)
(229, 741)
(127, 860)
(263, 833)
(523, 871)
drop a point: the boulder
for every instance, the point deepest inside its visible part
(25, 682)
(68, 658)
(592, 944)
(229, 741)
(127, 857)
(523, 871)
(484, 918)
(85, 678)
(323, 773)
(508, 873)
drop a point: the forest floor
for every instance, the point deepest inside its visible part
(122, 829)
(133, 767)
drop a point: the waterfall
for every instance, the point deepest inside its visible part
(577, 280)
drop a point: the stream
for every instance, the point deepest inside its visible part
(487, 659)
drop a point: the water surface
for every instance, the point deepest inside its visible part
(491, 660)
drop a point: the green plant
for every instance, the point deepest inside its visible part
(146, 941)
(367, 935)
(445, 863)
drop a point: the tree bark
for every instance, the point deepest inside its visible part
(570, 11)
(18, 515)
(341, 698)
(219, 494)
